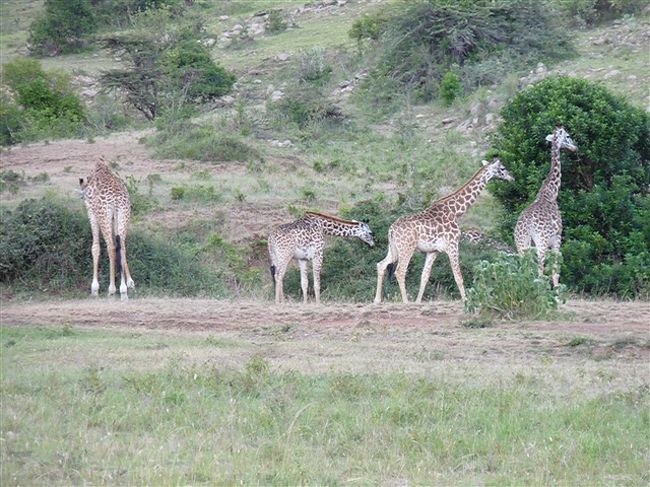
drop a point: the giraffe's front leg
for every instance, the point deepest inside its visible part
(555, 247)
(304, 281)
(452, 252)
(426, 272)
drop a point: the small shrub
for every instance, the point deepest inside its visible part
(140, 203)
(201, 143)
(177, 192)
(313, 66)
(510, 288)
(449, 87)
(275, 22)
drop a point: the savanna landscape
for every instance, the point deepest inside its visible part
(228, 118)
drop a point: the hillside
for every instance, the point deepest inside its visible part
(421, 151)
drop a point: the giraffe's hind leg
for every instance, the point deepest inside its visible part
(381, 270)
(541, 246)
(400, 272)
(95, 249)
(452, 252)
(304, 281)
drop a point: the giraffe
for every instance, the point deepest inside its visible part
(304, 240)
(109, 210)
(434, 230)
(541, 222)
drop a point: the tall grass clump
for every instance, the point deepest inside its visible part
(419, 41)
(509, 287)
(45, 248)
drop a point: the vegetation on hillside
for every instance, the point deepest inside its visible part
(604, 198)
(417, 43)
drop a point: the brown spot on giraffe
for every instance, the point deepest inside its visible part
(304, 240)
(434, 230)
(541, 222)
(109, 211)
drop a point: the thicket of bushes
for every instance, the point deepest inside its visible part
(418, 42)
(605, 193)
(45, 247)
(66, 25)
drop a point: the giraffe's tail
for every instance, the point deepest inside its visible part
(390, 268)
(272, 268)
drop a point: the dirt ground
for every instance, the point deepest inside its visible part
(390, 334)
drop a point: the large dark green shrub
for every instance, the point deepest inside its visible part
(420, 40)
(190, 68)
(45, 247)
(589, 12)
(62, 27)
(604, 198)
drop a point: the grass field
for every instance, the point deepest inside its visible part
(330, 395)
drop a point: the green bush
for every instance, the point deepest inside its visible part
(190, 68)
(62, 27)
(44, 103)
(201, 143)
(449, 87)
(604, 197)
(275, 22)
(420, 40)
(509, 288)
(45, 247)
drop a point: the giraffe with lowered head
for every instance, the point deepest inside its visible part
(304, 240)
(109, 211)
(434, 230)
(541, 222)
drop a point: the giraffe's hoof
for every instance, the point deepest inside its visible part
(130, 283)
(377, 301)
(124, 297)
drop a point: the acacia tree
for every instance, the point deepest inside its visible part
(605, 193)
(164, 71)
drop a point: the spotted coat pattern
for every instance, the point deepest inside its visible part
(434, 230)
(541, 222)
(304, 240)
(109, 211)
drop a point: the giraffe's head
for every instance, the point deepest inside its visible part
(362, 230)
(563, 139)
(496, 169)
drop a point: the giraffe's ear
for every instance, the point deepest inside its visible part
(484, 162)
(549, 138)
(365, 220)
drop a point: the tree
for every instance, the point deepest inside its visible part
(605, 194)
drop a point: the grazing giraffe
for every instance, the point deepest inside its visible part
(109, 210)
(434, 230)
(304, 240)
(541, 222)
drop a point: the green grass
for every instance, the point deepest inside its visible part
(180, 420)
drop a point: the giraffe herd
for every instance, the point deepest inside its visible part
(433, 230)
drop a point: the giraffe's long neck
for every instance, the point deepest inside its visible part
(459, 201)
(334, 226)
(551, 185)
